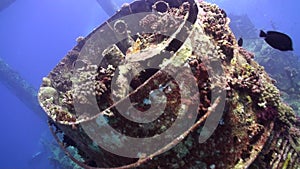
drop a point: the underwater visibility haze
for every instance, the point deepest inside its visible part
(44, 41)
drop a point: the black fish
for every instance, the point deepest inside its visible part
(240, 41)
(277, 40)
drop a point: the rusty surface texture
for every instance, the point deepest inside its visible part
(181, 56)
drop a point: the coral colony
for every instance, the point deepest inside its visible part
(257, 130)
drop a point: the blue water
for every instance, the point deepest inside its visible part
(36, 34)
(264, 14)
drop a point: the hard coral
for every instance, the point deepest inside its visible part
(198, 38)
(248, 55)
(267, 114)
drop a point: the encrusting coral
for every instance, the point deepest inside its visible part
(256, 130)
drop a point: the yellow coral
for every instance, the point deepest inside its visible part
(135, 48)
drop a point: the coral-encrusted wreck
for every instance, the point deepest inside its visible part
(148, 45)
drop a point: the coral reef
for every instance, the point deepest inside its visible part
(256, 129)
(283, 67)
(57, 158)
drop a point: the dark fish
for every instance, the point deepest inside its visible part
(277, 40)
(240, 41)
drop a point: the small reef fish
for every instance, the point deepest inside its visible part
(240, 41)
(36, 155)
(277, 40)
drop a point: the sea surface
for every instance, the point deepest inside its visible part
(36, 34)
